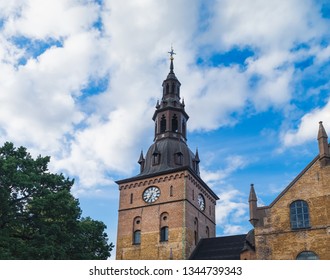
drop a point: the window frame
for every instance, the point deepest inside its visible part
(299, 215)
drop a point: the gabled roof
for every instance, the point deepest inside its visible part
(219, 248)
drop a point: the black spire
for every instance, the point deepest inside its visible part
(141, 161)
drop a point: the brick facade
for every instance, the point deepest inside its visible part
(178, 200)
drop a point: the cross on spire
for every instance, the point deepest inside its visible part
(171, 53)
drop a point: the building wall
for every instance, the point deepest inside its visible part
(274, 237)
(181, 208)
(202, 221)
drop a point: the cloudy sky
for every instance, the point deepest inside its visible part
(79, 81)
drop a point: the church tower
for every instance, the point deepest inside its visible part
(166, 209)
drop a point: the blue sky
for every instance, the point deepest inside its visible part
(79, 80)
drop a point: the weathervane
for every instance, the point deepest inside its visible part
(172, 53)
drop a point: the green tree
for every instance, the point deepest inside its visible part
(39, 218)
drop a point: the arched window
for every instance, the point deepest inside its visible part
(207, 232)
(164, 217)
(175, 123)
(307, 255)
(164, 234)
(137, 230)
(167, 88)
(299, 214)
(162, 124)
(137, 237)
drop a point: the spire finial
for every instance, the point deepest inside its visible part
(322, 133)
(171, 58)
(252, 196)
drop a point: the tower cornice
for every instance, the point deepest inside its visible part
(190, 174)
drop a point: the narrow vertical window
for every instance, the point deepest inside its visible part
(162, 124)
(207, 232)
(137, 237)
(171, 190)
(164, 234)
(131, 199)
(196, 231)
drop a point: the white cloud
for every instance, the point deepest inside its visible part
(234, 229)
(215, 178)
(216, 92)
(40, 19)
(273, 89)
(232, 208)
(45, 109)
(39, 97)
(272, 29)
(266, 25)
(105, 146)
(308, 127)
(231, 211)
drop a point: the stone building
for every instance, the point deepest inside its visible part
(166, 209)
(296, 225)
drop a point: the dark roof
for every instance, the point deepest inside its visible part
(219, 248)
(167, 148)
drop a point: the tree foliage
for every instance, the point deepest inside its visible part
(39, 217)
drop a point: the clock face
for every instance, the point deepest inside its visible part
(151, 194)
(201, 202)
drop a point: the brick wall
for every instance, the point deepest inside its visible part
(178, 200)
